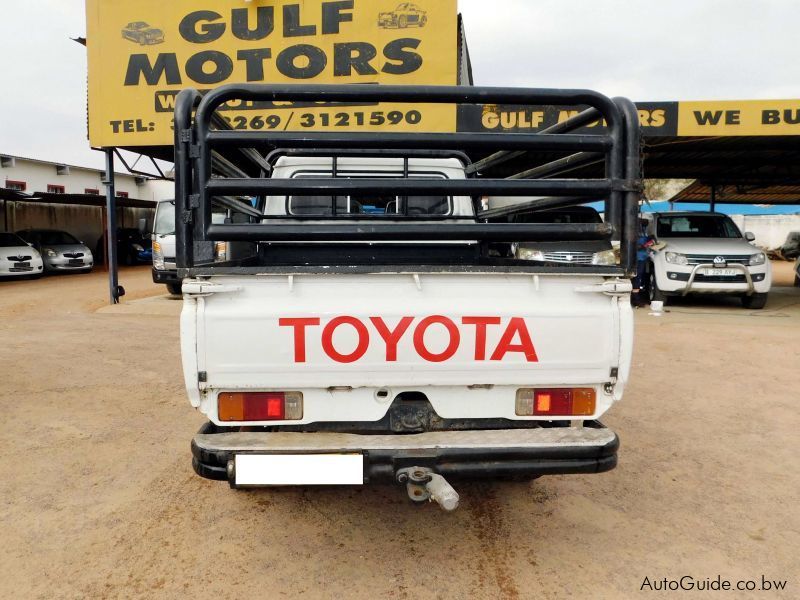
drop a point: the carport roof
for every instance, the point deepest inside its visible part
(773, 160)
(741, 193)
(74, 199)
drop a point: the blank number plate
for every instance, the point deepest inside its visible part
(299, 469)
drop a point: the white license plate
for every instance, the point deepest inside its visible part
(721, 272)
(299, 469)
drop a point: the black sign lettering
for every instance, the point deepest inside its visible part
(353, 56)
(708, 117)
(195, 67)
(265, 23)
(332, 15)
(733, 117)
(792, 117)
(287, 61)
(770, 117)
(139, 66)
(254, 60)
(208, 32)
(400, 50)
(291, 22)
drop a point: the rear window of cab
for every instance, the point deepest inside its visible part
(368, 205)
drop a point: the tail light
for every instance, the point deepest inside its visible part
(260, 406)
(556, 402)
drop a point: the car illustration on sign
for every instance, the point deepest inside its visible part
(405, 15)
(141, 33)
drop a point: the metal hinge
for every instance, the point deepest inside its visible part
(194, 201)
(194, 151)
(186, 135)
(618, 287)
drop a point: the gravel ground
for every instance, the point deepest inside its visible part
(99, 499)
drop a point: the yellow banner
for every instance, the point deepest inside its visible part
(143, 52)
(744, 118)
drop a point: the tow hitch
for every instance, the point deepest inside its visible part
(423, 485)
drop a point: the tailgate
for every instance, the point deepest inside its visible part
(334, 334)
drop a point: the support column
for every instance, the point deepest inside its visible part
(713, 205)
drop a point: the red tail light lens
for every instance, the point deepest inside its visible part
(556, 402)
(259, 406)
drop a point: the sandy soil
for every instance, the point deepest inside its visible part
(99, 499)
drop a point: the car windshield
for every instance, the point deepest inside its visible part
(697, 226)
(57, 238)
(9, 240)
(165, 218)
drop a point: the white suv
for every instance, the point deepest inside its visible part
(705, 253)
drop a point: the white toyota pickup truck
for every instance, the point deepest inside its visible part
(362, 329)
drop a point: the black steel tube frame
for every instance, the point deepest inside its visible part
(633, 174)
(588, 188)
(561, 166)
(404, 231)
(196, 141)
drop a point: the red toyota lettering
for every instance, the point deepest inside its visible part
(481, 323)
(391, 337)
(363, 339)
(419, 338)
(516, 327)
(299, 325)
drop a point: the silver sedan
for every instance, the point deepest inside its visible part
(61, 252)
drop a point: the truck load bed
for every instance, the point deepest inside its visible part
(370, 316)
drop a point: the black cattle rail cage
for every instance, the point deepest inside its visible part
(216, 166)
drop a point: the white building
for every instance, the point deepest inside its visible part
(31, 175)
(31, 197)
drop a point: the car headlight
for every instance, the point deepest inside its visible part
(529, 254)
(758, 259)
(675, 258)
(138, 247)
(158, 257)
(604, 258)
(50, 252)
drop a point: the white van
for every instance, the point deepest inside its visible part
(165, 269)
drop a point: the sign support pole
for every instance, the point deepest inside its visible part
(111, 228)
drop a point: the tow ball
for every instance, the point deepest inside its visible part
(423, 485)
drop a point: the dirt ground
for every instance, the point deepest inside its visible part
(99, 499)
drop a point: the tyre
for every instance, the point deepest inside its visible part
(175, 288)
(797, 280)
(655, 294)
(756, 301)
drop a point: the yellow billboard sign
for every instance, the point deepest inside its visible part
(739, 118)
(143, 52)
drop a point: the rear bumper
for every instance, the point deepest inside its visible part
(456, 454)
(165, 276)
